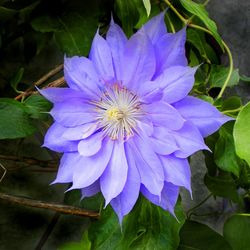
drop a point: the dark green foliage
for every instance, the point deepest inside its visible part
(34, 37)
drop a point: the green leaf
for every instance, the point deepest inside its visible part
(6, 14)
(15, 80)
(147, 5)
(241, 133)
(146, 227)
(237, 230)
(232, 103)
(46, 24)
(77, 34)
(222, 185)
(37, 107)
(245, 78)
(225, 155)
(73, 32)
(219, 74)
(85, 244)
(197, 39)
(128, 14)
(197, 236)
(14, 122)
(200, 11)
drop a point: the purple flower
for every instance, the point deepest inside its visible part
(126, 124)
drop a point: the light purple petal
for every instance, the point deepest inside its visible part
(66, 168)
(163, 147)
(73, 112)
(54, 140)
(80, 74)
(100, 55)
(202, 114)
(139, 61)
(189, 140)
(147, 163)
(117, 41)
(163, 114)
(177, 171)
(79, 132)
(176, 82)
(169, 196)
(126, 200)
(170, 51)
(91, 190)
(91, 145)
(146, 126)
(115, 175)
(165, 141)
(149, 92)
(61, 94)
(89, 169)
(155, 28)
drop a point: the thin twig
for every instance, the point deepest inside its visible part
(4, 173)
(48, 231)
(65, 209)
(57, 83)
(30, 161)
(40, 81)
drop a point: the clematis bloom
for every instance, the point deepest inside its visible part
(126, 124)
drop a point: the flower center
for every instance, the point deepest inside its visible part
(118, 112)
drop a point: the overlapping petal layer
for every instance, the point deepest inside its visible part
(126, 123)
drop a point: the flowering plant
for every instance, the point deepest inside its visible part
(137, 126)
(126, 123)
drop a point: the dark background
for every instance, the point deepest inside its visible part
(22, 228)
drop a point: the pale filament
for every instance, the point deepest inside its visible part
(118, 112)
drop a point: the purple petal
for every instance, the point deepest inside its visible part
(147, 163)
(115, 175)
(91, 145)
(202, 114)
(176, 82)
(89, 169)
(177, 171)
(66, 168)
(189, 140)
(100, 55)
(73, 112)
(169, 196)
(61, 94)
(164, 141)
(54, 140)
(170, 51)
(155, 28)
(80, 74)
(126, 200)
(139, 61)
(117, 41)
(163, 147)
(79, 132)
(163, 114)
(149, 92)
(91, 190)
(146, 126)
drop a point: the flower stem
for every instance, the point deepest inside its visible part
(230, 57)
(183, 19)
(198, 205)
(232, 110)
